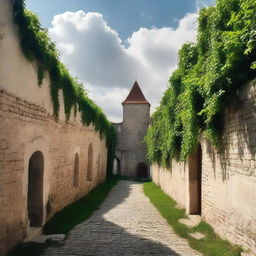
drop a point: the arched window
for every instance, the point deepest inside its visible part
(76, 171)
(35, 189)
(102, 171)
(90, 163)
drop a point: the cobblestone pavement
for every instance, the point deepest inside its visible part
(126, 224)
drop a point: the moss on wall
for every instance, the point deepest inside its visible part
(209, 73)
(38, 47)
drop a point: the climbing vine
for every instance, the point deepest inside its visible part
(208, 75)
(38, 47)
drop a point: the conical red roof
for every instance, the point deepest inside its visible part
(136, 96)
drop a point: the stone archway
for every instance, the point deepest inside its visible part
(142, 171)
(116, 166)
(35, 189)
(195, 181)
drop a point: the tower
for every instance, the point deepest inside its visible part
(131, 150)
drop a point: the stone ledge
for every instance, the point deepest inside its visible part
(53, 238)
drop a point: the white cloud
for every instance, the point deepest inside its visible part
(110, 100)
(95, 54)
(157, 48)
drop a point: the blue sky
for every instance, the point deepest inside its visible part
(107, 44)
(125, 16)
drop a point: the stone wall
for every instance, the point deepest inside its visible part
(27, 126)
(228, 183)
(171, 180)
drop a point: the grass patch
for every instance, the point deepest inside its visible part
(128, 178)
(211, 245)
(65, 220)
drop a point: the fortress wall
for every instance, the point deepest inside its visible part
(228, 175)
(171, 180)
(27, 126)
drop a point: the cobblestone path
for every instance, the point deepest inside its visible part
(126, 224)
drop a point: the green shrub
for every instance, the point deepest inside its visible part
(208, 75)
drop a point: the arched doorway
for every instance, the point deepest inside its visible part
(35, 189)
(142, 171)
(76, 171)
(116, 166)
(195, 181)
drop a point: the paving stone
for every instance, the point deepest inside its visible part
(56, 237)
(196, 219)
(39, 239)
(197, 235)
(125, 224)
(247, 254)
(187, 222)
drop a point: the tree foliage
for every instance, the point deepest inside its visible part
(38, 47)
(209, 73)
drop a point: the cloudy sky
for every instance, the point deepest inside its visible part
(108, 44)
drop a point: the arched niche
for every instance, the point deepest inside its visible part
(76, 171)
(90, 163)
(116, 166)
(195, 181)
(35, 189)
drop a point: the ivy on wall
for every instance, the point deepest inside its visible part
(208, 75)
(37, 46)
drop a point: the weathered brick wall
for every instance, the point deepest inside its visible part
(26, 128)
(228, 174)
(171, 180)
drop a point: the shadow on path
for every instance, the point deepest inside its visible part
(99, 236)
